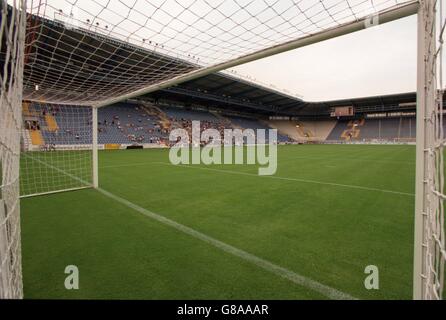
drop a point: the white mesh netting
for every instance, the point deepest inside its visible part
(12, 35)
(56, 148)
(85, 52)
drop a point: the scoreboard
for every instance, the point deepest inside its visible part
(343, 112)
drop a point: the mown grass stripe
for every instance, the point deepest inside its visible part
(298, 279)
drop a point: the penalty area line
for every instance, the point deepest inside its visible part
(290, 179)
(298, 279)
(333, 184)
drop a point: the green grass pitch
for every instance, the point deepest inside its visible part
(330, 211)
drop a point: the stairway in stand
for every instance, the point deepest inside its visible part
(36, 138)
(353, 131)
(26, 138)
(153, 110)
(226, 121)
(51, 123)
(26, 109)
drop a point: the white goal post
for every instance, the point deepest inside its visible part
(80, 56)
(429, 246)
(12, 38)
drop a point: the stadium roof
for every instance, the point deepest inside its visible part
(232, 95)
(227, 92)
(75, 80)
(77, 73)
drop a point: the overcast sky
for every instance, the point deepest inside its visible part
(376, 61)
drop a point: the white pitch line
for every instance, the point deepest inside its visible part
(72, 176)
(291, 160)
(347, 159)
(296, 179)
(264, 264)
(128, 165)
(270, 177)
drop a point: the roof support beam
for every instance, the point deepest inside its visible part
(226, 85)
(263, 96)
(242, 93)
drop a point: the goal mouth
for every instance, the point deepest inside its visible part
(62, 60)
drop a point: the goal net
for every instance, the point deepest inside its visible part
(100, 52)
(56, 148)
(83, 55)
(12, 35)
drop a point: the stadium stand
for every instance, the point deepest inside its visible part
(408, 128)
(287, 128)
(179, 114)
(25, 107)
(63, 125)
(31, 133)
(127, 124)
(52, 123)
(318, 130)
(338, 130)
(240, 122)
(183, 118)
(36, 138)
(60, 125)
(122, 124)
(147, 123)
(381, 129)
(304, 131)
(392, 129)
(245, 123)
